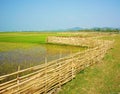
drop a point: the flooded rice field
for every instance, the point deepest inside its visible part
(11, 59)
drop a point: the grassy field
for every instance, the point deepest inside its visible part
(101, 78)
(26, 49)
(38, 37)
(15, 40)
(24, 37)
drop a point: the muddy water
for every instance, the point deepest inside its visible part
(10, 60)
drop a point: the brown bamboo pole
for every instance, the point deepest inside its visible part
(66, 74)
(18, 80)
(60, 55)
(46, 75)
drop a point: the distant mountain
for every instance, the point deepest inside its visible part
(75, 28)
(104, 28)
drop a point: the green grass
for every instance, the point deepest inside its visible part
(101, 78)
(26, 43)
(22, 40)
(15, 40)
(36, 37)
(25, 37)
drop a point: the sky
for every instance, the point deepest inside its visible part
(36, 15)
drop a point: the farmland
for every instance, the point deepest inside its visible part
(29, 49)
(99, 78)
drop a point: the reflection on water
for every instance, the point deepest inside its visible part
(33, 56)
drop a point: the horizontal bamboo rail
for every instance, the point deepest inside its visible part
(46, 77)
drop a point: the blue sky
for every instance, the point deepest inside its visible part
(17, 15)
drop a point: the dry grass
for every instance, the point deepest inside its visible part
(101, 78)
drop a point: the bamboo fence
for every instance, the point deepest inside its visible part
(51, 75)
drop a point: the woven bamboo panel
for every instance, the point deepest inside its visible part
(46, 77)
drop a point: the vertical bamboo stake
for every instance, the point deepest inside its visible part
(47, 39)
(45, 75)
(103, 52)
(89, 58)
(60, 55)
(18, 80)
(72, 67)
(97, 51)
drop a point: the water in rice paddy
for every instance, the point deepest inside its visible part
(10, 60)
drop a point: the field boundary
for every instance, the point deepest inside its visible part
(51, 75)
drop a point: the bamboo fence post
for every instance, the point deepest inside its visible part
(72, 67)
(18, 80)
(98, 49)
(102, 49)
(103, 52)
(88, 57)
(95, 41)
(47, 39)
(60, 55)
(84, 58)
(45, 75)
